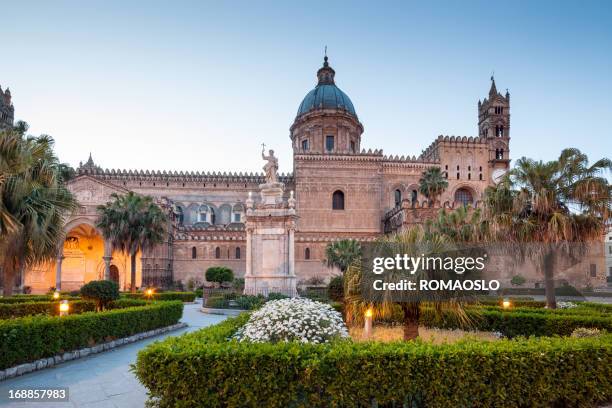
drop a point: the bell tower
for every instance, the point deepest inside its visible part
(7, 111)
(494, 126)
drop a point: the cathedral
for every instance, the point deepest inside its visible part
(337, 190)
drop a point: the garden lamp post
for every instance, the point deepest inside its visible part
(506, 303)
(149, 293)
(64, 308)
(367, 328)
(56, 295)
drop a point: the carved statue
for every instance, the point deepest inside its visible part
(271, 167)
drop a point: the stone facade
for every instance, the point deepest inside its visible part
(341, 191)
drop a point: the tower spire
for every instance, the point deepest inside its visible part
(493, 90)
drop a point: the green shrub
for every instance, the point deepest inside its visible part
(182, 296)
(21, 309)
(217, 302)
(102, 292)
(30, 338)
(219, 274)
(518, 280)
(248, 302)
(202, 368)
(335, 289)
(199, 292)
(276, 296)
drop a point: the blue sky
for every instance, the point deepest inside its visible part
(200, 85)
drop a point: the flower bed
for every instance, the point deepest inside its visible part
(182, 296)
(204, 368)
(30, 338)
(297, 319)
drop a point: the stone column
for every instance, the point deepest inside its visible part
(58, 271)
(249, 268)
(292, 251)
(108, 252)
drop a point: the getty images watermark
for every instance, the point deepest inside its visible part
(400, 272)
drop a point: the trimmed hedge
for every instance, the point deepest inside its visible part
(30, 338)
(182, 296)
(13, 310)
(22, 309)
(205, 369)
(524, 322)
(34, 298)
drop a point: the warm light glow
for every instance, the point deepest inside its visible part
(506, 304)
(64, 306)
(56, 295)
(369, 312)
(149, 292)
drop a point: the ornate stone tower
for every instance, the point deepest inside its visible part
(326, 122)
(494, 126)
(7, 111)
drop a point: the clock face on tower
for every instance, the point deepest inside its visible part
(497, 175)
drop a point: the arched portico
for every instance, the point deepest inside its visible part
(85, 255)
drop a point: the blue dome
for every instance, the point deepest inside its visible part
(326, 96)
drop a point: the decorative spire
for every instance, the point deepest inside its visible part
(493, 90)
(326, 74)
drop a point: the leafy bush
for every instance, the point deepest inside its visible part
(202, 368)
(249, 302)
(102, 292)
(335, 289)
(34, 337)
(219, 274)
(296, 319)
(182, 296)
(276, 296)
(199, 292)
(232, 301)
(517, 280)
(238, 284)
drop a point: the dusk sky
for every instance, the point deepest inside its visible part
(200, 85)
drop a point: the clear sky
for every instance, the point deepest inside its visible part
(200, 85)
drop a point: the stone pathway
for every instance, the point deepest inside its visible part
(101, 380)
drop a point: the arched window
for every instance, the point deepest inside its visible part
(338, 200)
(237, 252)
(464, 196)
(204, 212)
(217, 253)
(194, 253)
(413, 199)
(237, 212)
(398, 197)
(307, 253)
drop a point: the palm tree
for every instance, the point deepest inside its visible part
(432, 184)
(551, 205)
(414, 241)
(342, 254)
(34, 202)
(132, 223)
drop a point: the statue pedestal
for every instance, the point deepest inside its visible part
(270, 240)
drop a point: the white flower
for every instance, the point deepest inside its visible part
(296, 319)
(566, 305)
